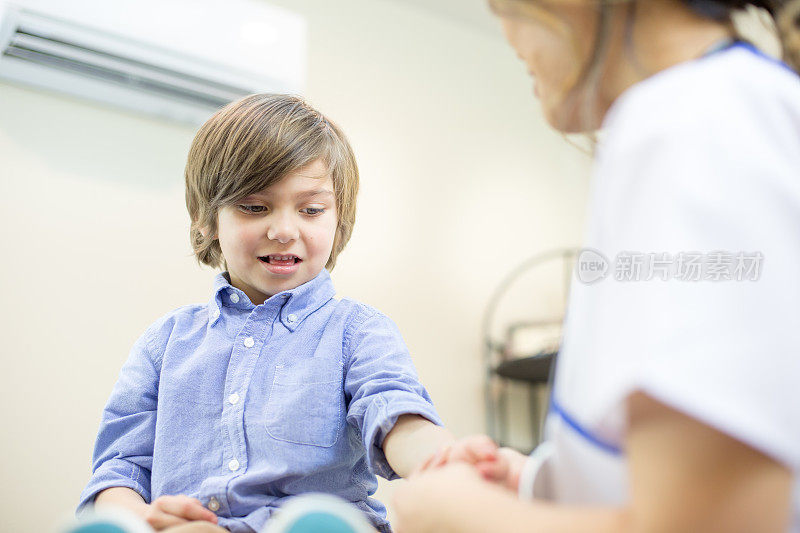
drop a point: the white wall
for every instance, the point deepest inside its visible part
(461, 180)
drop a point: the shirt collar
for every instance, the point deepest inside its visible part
(295, 304)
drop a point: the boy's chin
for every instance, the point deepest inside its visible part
(287, 283)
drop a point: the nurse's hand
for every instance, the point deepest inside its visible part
(439, 499)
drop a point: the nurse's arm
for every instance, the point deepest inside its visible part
(684, 476)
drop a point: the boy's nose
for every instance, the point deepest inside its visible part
(282, 230)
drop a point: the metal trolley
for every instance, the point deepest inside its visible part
(506, 361)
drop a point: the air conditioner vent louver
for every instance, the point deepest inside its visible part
(71, 57)
(58, 55)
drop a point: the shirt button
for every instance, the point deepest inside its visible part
(213, 504)
(233, 465)
(233, 398)
(234, 297)
(249, 342)
(291, 318)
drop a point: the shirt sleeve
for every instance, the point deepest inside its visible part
(381, 384)
(720, 346)
(123, 452)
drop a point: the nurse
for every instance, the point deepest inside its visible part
(676, 403)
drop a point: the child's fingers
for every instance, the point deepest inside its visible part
(428, 464)
(496, 471)
(443, 456)
(481, 454)
(474, 449)
(158, 519)
(184, 507)
(470, 450)
(198, 512)
(484, 447)
(196, 527)
(436, 460)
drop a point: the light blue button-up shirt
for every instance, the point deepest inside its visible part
(242, 405)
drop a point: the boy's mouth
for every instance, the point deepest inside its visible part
(281, 260)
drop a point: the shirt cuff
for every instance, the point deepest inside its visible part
(387, 408)
(115, 473)
(534, 480)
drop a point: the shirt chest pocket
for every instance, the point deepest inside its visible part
(306, 402)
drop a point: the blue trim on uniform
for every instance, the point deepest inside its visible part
(580, 430)
(749, 46)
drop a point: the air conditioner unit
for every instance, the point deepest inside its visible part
(179, 60)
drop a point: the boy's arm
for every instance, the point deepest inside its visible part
(123, 450)
(412, 440)
(122, 497)
(384, 393)
(164, 512)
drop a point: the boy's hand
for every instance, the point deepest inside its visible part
(505, 470)
(499, 465)
(472, 450)
(167, 511)
(198, 526)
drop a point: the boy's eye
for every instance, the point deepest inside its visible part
(252, 208)
(312, 210)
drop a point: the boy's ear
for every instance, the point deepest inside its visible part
(204, 232)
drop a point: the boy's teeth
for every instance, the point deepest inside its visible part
(281, 258)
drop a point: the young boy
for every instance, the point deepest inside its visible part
(272, 388)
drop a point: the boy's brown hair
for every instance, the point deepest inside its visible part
(253, 143)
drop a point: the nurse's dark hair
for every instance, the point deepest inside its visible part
(785, 13)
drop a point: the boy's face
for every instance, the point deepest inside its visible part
(282, 236)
